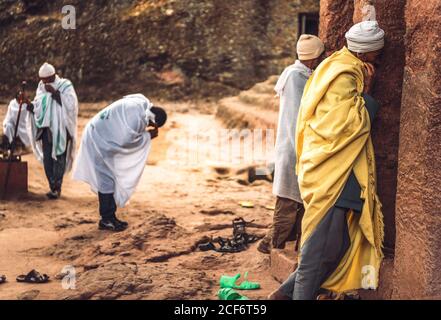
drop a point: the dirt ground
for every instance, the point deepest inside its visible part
(176, 204)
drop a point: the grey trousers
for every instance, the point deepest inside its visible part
(320, 256)
(54, 169)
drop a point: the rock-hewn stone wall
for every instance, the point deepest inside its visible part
(335, 20)
(168, 48)
(388, 91)
(418, 217)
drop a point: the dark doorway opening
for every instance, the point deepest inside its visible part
(308, 23)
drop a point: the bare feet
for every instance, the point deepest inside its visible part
(278, 295)
(264, 246)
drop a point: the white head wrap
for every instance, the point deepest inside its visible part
(147, 105)
(365, 37)
(46, 70)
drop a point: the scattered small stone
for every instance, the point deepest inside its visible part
(80, 237)
(86, 221)
(61, 275)
(215, 212)
(28, 295)
(62, 226)
(125, 254)
(91, 267)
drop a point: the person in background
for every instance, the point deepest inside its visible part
(9, 123)
(52, 126)
(289, 206)
(113, 153)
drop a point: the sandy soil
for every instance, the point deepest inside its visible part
(176, 204)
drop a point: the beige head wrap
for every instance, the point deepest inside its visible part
(309, 47)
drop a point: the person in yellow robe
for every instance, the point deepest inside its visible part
(342, 229)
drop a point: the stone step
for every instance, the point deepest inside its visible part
(262, 100)
(282, 264)
(266, 87)
(283, 261)
(237, 114)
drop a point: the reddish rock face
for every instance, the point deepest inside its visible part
(335, 20)
(388, 91)
(418, 244)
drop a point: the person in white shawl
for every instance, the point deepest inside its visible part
(9, 124)
(52, 126)
(289, 206)
(113, 153)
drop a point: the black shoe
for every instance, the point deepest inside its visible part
(53, 195)
(123, 223)
(111, 224)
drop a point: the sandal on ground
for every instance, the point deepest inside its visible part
(207, 246)
(33, 277)
(230, 282)
(239, 227)
(2, 279)
(230, 294)
(227, 246)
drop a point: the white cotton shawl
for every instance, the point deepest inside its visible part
(290, 89)
(59, 119)
(115, 147)
(11, 119)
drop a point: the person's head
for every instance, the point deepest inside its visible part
(371, 56)
(310, 50)
(47, 73)
(160, 116)
(366, 41)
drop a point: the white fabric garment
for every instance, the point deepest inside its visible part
(11, 119)
(115, 147)
(365, 36)
(290, 89)
(61, 120)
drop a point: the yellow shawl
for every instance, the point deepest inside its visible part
(333, 138)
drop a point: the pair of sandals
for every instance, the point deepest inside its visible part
(240, 241)
(228, 286)
(32, 277)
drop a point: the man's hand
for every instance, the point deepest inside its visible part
(21, 97)
(49, 88)
(369, 77)
(154, 132)
(30, 107)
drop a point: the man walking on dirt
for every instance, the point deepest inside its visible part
(289, 208)
(114, 151)
(52, 126)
